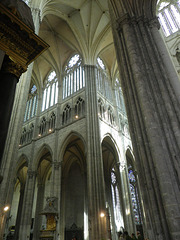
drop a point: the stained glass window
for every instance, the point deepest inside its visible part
(134, 195)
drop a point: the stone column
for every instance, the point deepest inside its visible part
(18, 218)
(39, 208)
(152, 104)
(25, 225)
(95, 174)
(9, 75)
(2, 54)
(56, 192)
(127, 204)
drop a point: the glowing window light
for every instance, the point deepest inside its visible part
(101, 64)
(176, 14)
(74, 60)
(173, 27)
(164, 25)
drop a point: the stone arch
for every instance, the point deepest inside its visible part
(130, 158)
(73, 184)
(73, 136)
(113, 183)
(44, 147)
(114, 145)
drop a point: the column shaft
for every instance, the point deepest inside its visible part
(95, 178)
(153, 114)
(39, 208)
(25, 225)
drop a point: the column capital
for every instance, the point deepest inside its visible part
(56, 165)
(31, 174)
(154, 23)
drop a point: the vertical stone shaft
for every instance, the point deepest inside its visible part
(152, 108)
(25, 225)
(7, 93)
(95, 178)
(19, 213)
(39, 208)
(56, 190)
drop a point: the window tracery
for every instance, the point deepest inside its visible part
(50, 94)
(119, 96)
(31, 104)
(134, 195)
(52, 122)
(74, 79)
(116, 200)
(103, 82)
(169, 17)
(66, 116)
(79, 108)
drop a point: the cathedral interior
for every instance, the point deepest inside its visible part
(90, 119)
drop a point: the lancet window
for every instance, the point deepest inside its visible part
(73, 79)
(119, 96)
(79, 108)
(116, 200)
(52, 122)
(66, 117)
(103, 81)
(50, 94)
(169, 16)
(31, 104)
(134, 195)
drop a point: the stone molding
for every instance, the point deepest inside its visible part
(126, 19)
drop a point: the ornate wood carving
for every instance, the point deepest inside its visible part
(18, 41)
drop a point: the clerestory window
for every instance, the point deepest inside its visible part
(31, 104)
(169, 16)
(73, 79)
(119, 96)
(50, 94)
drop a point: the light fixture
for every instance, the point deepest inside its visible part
(76, 116)
(50, 130)
(102, 214)
(6, 208)
(39, 135)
